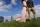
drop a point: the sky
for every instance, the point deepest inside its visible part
(14, 7)
(9, 7)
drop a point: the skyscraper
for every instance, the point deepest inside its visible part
(1, 18)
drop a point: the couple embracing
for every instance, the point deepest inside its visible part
(28, 6)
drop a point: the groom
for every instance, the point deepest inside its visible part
(30, 6)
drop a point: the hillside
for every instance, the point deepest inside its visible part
(32, 23)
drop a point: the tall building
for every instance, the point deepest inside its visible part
(1, 18)
(6, 20)
(11, 18)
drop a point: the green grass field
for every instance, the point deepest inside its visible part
(32, 23)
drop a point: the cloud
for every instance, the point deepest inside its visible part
(1, 3)
(13, 2)
(7, 18)
(15, 16)
(5, 8)
(37, 8)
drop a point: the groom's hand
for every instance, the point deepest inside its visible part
(26, 8)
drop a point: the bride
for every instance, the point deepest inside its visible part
(22, 17)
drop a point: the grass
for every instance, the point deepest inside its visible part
(32, 23)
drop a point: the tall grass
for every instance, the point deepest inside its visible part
(32, 23)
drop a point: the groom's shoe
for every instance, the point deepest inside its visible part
(28, 19)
